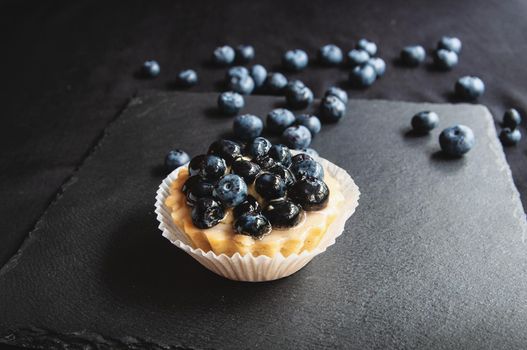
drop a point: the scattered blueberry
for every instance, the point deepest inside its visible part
(283, 213)
(469, 88)
(212, 168)
(226, 149)
(307, 168)
(280, 154)
(223, 55)
(295, 60)
(297, 137)
(423, 122)
(259, 147)
(176, 158)
(279, 119)
(196, 164)
(284, 173)
(445, 59)
(244, 53)
(207, 213)
(337, 92)
(236, 72)
(457, 140)
(510, 137)
(246, 169)
(297, 95)
(450, 43)
(187, 78)
(243, 85)
(369, 46)
(231, 190)
(379, 65)
(511, 119)
(413, 55)
(357, 57)
(332, 109)
(330, 55)
(252, 224)
(310, 193)
(247, 127)
(258, 73)
(250, 206)
(270, 186)
(230, 102)
(362, 76)
(275, 82)
(309, 121)
(151, 69)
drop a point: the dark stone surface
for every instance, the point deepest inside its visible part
(68, 68)
(434, 257)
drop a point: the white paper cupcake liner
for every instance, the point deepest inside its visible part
(261, 268)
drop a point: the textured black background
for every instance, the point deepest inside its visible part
(68, 69)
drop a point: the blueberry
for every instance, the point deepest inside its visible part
(196, 164)
(270, 186)
(284, 173)
(300, 157)
(510, 137)
(450, 43)
(280, 154)
(230, 102)
(423, 122)
(369, 46)
(311, 152)
(469, 88)
(307, 168)
(357, 57)
(255, 225)
(259, 74)
(187, 78)
(212, 168)
(265, 162)
(297, 137)
(379, 65)
(151, 69)
(279, 119)
(189, 183)
(332, 109)
(310, 193)
(275, 83)
(511, 119)
(200, 189)
(297, 95)
(247, 127)
(283, 214)
(176, 158)
(337, 92)
(236, 72)
(259, 147)
(249, 206)
(295, 60)
(309, 121)
(362, 76)
(246, 169)
(413, 55)
(223, 55)
(445, 59)
(243, 85)
(244, 53)
(231, 190)
(457, 140)
(226, 149)
(206, 213)
(330, 55)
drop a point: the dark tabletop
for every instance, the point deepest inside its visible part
(68, 70)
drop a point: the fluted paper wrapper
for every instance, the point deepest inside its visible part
(261, 268)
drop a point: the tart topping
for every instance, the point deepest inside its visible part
(270, 186)
(311, 193)
(196, 164)
(281, 154)
(246, 169)
(255, 225)
(212, 168)
(231, 190)
(199, 189)
(283, 213)
(265, 162)
(250, 206)
(207, 213)
(307, 167)
(226, 149)
(284, 173)
(259, 147)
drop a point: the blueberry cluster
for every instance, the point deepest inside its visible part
(366, 67)
(510, 135)
(285, 185)
(445, 55)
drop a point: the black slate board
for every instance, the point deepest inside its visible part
(434, 257)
